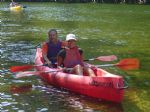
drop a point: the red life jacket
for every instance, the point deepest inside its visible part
(72, 58)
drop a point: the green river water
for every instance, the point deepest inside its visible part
(103, 29)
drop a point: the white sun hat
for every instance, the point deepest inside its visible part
(71, 37)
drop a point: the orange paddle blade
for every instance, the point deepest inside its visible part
(107, 58)
(129, 64)
(21, 68)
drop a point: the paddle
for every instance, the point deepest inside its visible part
(125, 64)
(27, 67)
(23, 67)
(103, 58)
(30, 73)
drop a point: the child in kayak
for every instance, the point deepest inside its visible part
(72, 57)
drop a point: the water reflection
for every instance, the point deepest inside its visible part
(24, 52)
(20, 89)
(77, 103)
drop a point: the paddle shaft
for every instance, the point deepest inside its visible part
(92, 59)
(103, 58)
(106, 65)
(31, 73)
(125, 64)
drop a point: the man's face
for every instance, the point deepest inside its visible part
(52, 36)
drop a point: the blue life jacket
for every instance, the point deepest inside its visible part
(53, 50)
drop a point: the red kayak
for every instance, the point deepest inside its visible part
(104, 86)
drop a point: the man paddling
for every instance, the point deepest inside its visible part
(72, 57)
(51, 48)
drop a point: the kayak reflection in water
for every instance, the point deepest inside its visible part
(72, 57)
(51, 48)
(21, 89)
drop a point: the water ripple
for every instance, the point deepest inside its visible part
(22, 52)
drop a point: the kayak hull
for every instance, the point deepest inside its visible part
(16, 8)
(104, 86)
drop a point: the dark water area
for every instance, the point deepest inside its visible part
(121, 30)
